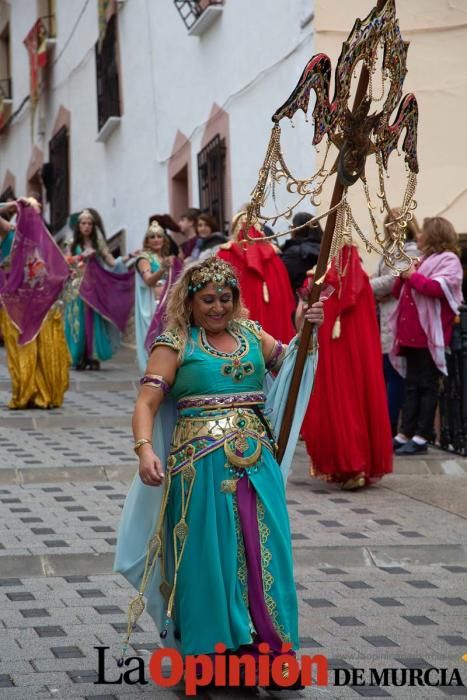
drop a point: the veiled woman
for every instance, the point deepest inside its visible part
(263, 278)
(226, 573)
(100, 298)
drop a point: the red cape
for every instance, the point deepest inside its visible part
(346, 427)
(256, 264)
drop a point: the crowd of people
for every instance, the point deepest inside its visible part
(408, 319)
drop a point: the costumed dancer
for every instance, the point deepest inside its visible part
(223, 518)
(429, 293)
(31, 316)
(346, 428)
(263, 279)
(100, 298)
(382, 284)
(155, 266)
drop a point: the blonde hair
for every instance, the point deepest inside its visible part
(156, 229)
(440, 236)
(178, 314)
(412, 230)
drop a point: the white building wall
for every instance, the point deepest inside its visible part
(247, 63)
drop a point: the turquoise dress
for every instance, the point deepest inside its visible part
(221, 471)
(88, 334)
(145, 306)
(6, 245)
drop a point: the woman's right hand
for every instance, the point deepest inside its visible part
(151, 471)
(88, 252)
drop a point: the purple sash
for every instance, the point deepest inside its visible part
(111, 294)
(157, 324)
(38, 273)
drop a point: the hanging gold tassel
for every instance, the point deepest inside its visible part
(336, 329)
(265, 293)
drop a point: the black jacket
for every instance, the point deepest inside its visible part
(299, 255)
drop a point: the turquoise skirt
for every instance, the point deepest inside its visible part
(105, 338)
(211, 599)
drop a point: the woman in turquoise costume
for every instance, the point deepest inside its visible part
(211, 549)
(152, 266)
(91, 338)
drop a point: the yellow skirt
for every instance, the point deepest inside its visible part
(39, 371)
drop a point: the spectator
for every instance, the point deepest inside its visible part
(382, 284)
(209, 239)
(300, 252)
(429, 294)
(187, 225)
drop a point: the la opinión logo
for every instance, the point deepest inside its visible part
(222, 670)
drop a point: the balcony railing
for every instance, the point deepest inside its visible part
(5, 88)
(191, 10)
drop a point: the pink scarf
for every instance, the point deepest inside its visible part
(446, 269)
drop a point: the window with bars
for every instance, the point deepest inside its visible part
(211, 176)
(5, 69)
(108, 89)
(60, 179)
(191, 10)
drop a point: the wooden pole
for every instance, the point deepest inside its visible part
(321, 268)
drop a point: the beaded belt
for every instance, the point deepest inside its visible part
(218, 401)
(240, 432)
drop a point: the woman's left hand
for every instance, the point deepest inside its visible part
(314, 313)
(408, 273)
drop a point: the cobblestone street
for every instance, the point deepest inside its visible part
(381, 574)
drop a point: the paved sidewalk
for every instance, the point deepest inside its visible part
(381, 574)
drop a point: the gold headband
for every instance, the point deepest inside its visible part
(85, 214)
(213, 270)
(155, 227)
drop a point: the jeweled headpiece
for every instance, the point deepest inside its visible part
(85, 214)
(214, 270)
(156, 228)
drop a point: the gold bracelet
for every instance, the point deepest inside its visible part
(139, 443)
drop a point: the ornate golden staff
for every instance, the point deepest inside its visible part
(356, 134)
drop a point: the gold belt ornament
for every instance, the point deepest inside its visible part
(217, 426)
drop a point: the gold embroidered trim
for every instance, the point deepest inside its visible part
(242, 571)
(252, 326)
(170, 339)
(268, 578)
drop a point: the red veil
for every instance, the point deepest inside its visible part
(264, 284)
(346, 427)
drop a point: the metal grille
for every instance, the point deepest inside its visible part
(191, 10)
(108, 90)
(211, 176)
(60, 190)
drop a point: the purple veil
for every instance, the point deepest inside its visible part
(157, 324)
(111, 294)
(38, 273)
